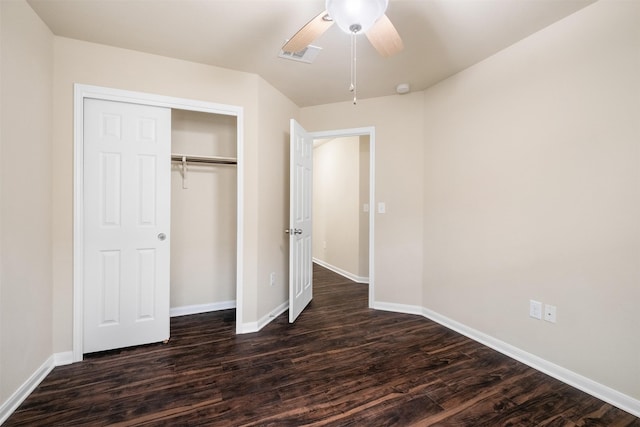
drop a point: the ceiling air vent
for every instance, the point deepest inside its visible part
(308, 54)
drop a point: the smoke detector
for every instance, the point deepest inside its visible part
(403, 88)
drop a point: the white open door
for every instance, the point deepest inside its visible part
(300, 261)
(126, 224)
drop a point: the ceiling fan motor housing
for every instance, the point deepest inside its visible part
(356, 16)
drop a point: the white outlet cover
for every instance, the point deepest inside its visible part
(550, 313)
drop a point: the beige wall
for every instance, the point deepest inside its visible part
(203, 215)
(336, 203)
(273, 198)
(531, 191)
(398, 179)
(25, 195)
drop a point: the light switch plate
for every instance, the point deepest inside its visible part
(535, 309)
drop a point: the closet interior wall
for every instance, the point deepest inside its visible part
(203, 215)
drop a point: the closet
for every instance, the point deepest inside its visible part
(203, 212)
(155, 214)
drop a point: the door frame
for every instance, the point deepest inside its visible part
(371, 132)
(81, 92)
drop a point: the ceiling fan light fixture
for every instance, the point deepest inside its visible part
(356, 16)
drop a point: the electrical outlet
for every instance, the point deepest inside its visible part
(272, 278)
(535, 309)
(550, 313)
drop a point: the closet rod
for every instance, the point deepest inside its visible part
(204, 159)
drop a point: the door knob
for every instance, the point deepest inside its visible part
(162, 236)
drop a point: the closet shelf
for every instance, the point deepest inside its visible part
(175, 157)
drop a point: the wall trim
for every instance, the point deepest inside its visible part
(250, 327)
(64, 358)
(186, 310)
(398, 308)
(600, 391)
(15, 400)
(270, 317)
(10, 405)
(247, 327)
(343, 273)
(589, 386)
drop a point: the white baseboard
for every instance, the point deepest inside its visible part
(250, 327)
(343, 273)
(201, 308)
(607, 394)
(65, 358)
(265, 320)
(61, 359)
(10, 405)
(397, 308)
(246, 328)
(602, 392)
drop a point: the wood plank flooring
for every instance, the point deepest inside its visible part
(340, 364)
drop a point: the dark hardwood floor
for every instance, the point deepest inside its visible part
(340, 364)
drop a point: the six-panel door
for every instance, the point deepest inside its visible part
(300, 192)
(127, 223)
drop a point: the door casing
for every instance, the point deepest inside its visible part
(82, 92)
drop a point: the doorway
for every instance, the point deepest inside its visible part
(366, 137)
(341, 206)
(83, 92)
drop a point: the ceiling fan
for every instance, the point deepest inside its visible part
(353, 17)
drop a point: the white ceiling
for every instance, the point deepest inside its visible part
(441, 37)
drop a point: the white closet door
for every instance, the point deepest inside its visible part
(127, 221)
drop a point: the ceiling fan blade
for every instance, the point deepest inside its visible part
(384, 37)
(307, 34)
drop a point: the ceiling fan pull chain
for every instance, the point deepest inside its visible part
(351, 87)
